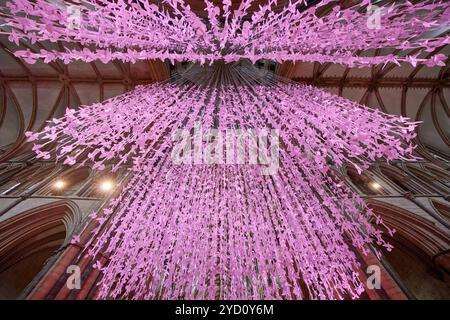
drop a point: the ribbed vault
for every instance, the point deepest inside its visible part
(32, 94)
(420, 93)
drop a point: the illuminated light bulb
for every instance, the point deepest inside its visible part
(106, 186)
(375, 185)
(59, 184)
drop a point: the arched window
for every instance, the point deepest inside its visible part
(364, 183)
(68, 183)
(416, 244)
(28, 240)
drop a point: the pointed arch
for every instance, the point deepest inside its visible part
(422, 235)
(29, 239)
(417, 242)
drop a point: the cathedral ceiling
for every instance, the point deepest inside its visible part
(32, 94)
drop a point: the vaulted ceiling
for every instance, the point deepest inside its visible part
(198, 6)
(420, 93)
(32, 94)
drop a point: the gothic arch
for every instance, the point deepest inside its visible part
(29, 239)
(417, 242)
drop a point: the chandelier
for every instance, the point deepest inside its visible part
(234, 191)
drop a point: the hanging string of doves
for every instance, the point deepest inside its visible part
(281, 225)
